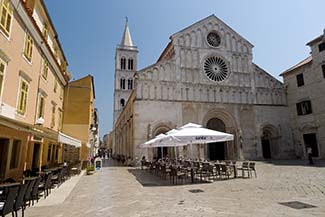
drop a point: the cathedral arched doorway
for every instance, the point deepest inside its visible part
(217, 150)
(161, 152)
(269, 142)
(266, 145)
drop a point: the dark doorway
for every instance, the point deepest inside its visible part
(4, 145)
(164, 149)
(311, 140)
(266, 148)
(36, 154)
(216, 150)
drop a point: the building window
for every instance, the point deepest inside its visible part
(323, 69)
(123, 63)
(122, 103)
(321, 47)
(2, 74)
(61, 92)
(53, 116)
(41, 107)
(54, 153)
(15, 153)
(130, 84)
(6, 17)
(122, 83)
(300, 80)
(45, 30)
(49, 153)
(45, 69)
(28, 51)
(60, 119)
(304, 107)
(130, 64)
(22, 100)
(55, 86)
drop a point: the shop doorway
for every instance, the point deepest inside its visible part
(217, 150)
(36, 154)
(4, 147)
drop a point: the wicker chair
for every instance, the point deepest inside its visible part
(252, 168)
(245, 167)
(225, 170)
(35, 193)
(7, 206)
(176, 174)
(28, 194)
(19, 202)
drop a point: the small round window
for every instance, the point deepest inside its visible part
(215, 69)
(213, 39)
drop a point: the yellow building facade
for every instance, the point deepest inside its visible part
(32, 80)
(79, 113)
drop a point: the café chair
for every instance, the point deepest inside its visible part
(19, 202)
(7, 206)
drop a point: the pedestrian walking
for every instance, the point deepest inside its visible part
(310, 153)
(143, 162)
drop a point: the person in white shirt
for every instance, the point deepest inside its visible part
(309, 153)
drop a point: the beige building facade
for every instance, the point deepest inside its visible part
(305, 83)
(32, 79)
(206, 75)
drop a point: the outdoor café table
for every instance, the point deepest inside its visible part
(43, 174)
(4, 188)
(234, 168)
(29, 179)
(53, 170)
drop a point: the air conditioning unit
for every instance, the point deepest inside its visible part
(40, 121)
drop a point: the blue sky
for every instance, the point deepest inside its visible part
(90, 30)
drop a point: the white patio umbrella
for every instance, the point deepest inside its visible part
(158, 142)
(198, 135)
(149, 143)
(190, 125)
(194, 133)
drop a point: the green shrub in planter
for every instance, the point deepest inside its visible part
(90, 168)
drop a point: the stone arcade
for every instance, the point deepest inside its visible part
(205, 75)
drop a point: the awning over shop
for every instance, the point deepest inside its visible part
(35, 130)
(69, 140)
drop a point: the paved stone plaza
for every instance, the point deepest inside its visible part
(122, 191)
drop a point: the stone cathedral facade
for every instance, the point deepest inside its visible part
(205, 75)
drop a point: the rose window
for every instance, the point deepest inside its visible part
(213, 39)
(215, 69)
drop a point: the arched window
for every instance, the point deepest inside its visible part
(122, 103)
(123, 63)
(122, 83)
(130, 84)
(130, 64)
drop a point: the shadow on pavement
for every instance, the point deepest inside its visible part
(298, 162)
(146, 179)
(111, 163)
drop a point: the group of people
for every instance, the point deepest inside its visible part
(126, 161)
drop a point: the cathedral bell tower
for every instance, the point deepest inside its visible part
(126, 59)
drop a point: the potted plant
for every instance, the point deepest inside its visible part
(90, 169)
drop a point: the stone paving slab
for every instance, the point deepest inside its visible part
(118, 191)
(58, 195)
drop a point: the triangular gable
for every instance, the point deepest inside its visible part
(216, 19)
(266, 74)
